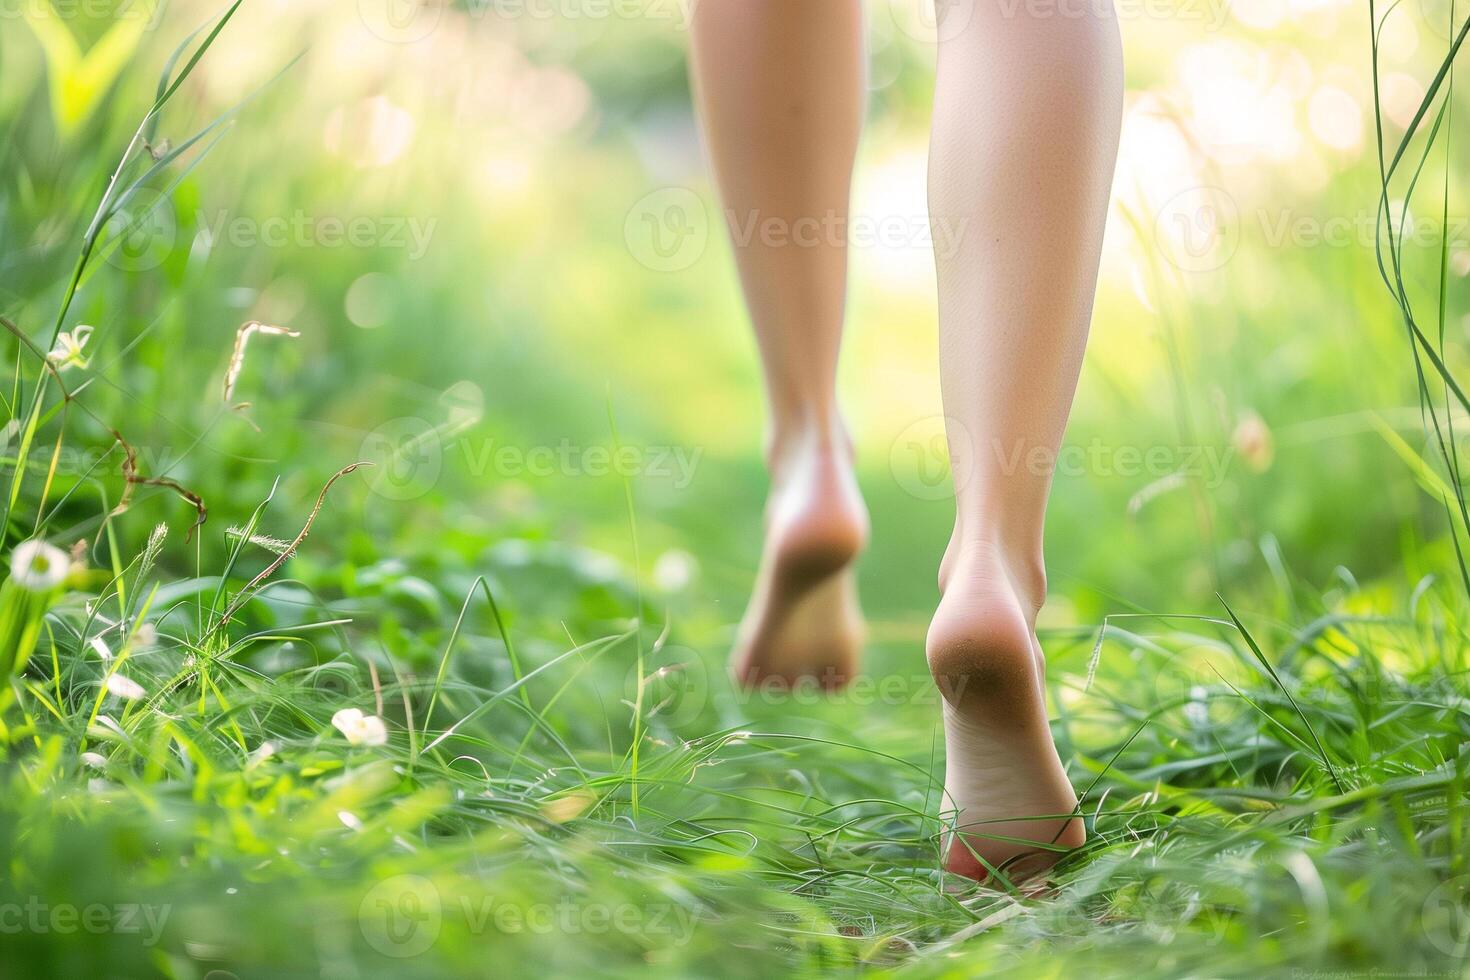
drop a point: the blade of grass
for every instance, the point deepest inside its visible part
(1271, 670)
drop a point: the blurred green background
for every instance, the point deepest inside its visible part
(493, 228)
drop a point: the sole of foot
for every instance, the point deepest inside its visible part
(1003, 778)
(803, 624)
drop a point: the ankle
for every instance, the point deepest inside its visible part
(1020, 569)
(809, 437)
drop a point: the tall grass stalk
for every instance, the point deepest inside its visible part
(1389, 238)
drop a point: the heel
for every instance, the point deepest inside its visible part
(980, 649)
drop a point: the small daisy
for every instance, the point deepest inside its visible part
(674, 570)
(38, 566)
(69, 347)
(359, 728)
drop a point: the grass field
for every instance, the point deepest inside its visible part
(463, 711)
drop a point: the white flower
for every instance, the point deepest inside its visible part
(38, 566)
(100, 647)
(359, 728)
(674, 570)
(94, 760)
(69, 346)
(125, 688)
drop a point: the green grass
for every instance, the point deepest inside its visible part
(1272, 781)
(515, 815)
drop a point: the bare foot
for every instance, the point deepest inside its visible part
(803, 620)
(1002, 773)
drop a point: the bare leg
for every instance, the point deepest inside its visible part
(1026, 117)
(779, 84)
